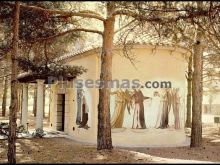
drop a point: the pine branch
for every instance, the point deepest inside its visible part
(85, 14)
(66, 32)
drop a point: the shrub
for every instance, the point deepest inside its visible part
(21, 129)
(39, 133)
(4, 129)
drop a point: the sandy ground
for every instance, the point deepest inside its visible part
(210, 151)
(64, 150)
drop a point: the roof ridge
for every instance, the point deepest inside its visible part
(89, 48)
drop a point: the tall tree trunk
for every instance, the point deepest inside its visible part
(189, 94)
(35, 100)
(196, 133)
(14, 71)
(104, 140)
(4, 98)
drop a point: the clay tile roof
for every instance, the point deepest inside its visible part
(145, 39)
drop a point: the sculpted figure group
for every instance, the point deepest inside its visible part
(134, 101)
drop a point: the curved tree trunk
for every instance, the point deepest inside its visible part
(14, 96)
(104, 140)
(196, 133)
(189, 94)
(4, 98)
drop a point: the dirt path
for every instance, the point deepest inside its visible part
(209, 152)
(63, 150)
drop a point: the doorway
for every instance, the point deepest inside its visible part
(60, 112)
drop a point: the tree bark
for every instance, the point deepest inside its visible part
(189, 94)
(196, 133)
(4, 98)
(13, 107)
(104, 140)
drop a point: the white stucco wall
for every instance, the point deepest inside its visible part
(90, 63)
(160, 65)
(164, 64)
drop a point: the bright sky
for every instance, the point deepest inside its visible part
(98, 7)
